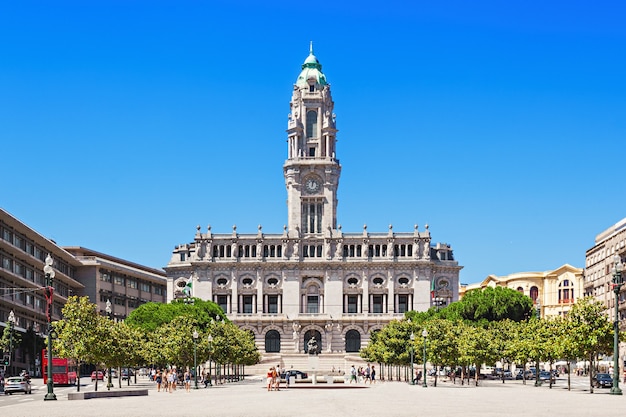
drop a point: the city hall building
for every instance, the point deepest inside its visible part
(313, 280)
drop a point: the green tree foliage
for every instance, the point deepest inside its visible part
(592, 331)
(493, 304)
(151, 316)
(78, 332)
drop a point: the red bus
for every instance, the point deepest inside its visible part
(63, 370)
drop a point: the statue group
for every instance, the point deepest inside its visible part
(312, 346)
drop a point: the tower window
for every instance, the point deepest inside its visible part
(311, 151)
(311, 124)
(312, 217)
(312, 88)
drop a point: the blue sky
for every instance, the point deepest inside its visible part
(501, 124)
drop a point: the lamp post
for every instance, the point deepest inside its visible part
(195, 359)
(617, 285)
(412, 337)
(424, 335)
(35, 333)
(537, 380)
(49, 271)
(11, 327)
(210, 340)
(108, 311)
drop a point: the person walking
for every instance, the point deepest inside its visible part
(353, 374)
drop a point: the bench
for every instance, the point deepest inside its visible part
(106, 394)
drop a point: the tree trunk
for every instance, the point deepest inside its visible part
(591, 373)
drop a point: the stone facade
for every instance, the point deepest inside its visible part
(553, 292)
(599, 264)
(313, 280)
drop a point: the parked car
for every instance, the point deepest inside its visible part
(126, 372)
(545, 375)
(100, 376)
(294, 374)
(17, 384)
(603, 380)
(521, 374)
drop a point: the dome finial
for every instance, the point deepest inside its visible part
(311, 48)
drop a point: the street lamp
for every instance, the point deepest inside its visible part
(537, 381)
(109, 311)
(424, 335)
(210, 340)
(412, 337)
(11, 327)
(195, 359)
(49, 271)
(617, 285)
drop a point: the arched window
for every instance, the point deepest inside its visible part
(311, 124)
(534, 294)
(520, 289)
(272, 341)
(353, 341)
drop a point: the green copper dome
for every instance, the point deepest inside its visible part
(311, 69)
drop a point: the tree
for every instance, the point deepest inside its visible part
(77, 332)
(591, 330)
(151, 316)
(494, 304)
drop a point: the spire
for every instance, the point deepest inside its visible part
(311, 48)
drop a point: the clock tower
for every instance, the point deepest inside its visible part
(312, 169)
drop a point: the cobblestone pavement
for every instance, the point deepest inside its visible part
(250, 398)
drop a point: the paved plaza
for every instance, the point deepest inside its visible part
(250, 398)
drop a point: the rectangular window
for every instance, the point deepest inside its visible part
(144, 286)
(403, 303)
(312, 304)
(222, 301)
(352, 304)
(105, 277)
(272, 304)
(377, 303)
(158, 290)
(247, 304)
(118, 280)
(312, 152)
(131, 283)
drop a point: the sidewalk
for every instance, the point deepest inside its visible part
(251, 398)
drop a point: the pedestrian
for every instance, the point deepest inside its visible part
(287, 375)
(373, 375)
(269, 379)
(275, 379)
(159, 379)
(187, 378)
(170, 381)
(367, 375)
(353, 374)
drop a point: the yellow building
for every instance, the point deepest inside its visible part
(553, 292)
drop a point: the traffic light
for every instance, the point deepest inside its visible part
(6, 359)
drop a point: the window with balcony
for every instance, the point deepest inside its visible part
(312, 304)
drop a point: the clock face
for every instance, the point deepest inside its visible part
(312, 185)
